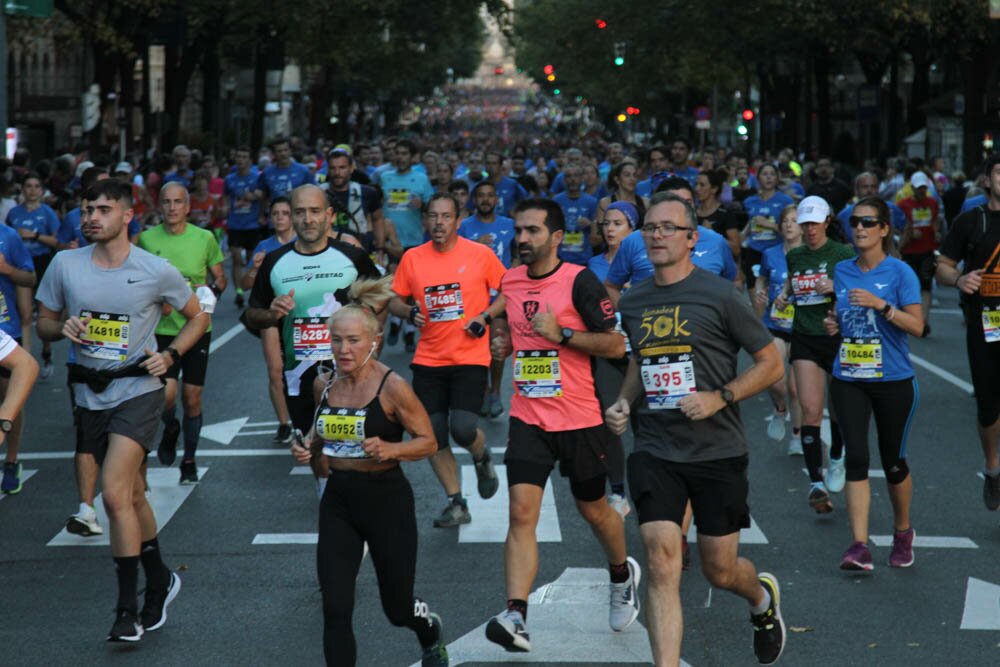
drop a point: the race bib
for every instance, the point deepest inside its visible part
(342, 431)
(667, 379)
(106, 336)
(990, 287)
(536, 373)
(782, 318)
(861, 358)
(444, 303)
(4, 313)
(921, 217)
(311, 339)
(399, 198)
(804, 288)
(573, 241)
(758, 232)
(991, 324)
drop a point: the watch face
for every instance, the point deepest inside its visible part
(567, 332)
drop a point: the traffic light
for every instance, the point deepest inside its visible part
(632, 111)
(741, 130)
(748, 115)
(498, 71)
(622, 118)
(619, 54)
(551, 78)
(557, 92)
(601, 24)
(549, 69)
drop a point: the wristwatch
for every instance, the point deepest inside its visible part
(728, 397)
(413, 313)
(487, 318)
(885, 311)
(567, 333)
(6, 425)
(174, 354)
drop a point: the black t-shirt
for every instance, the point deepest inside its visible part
(974, 238)
(590, 298)
(836, 193)
(721, 220)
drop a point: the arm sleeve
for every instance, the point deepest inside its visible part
(591, 300)
(262, 293)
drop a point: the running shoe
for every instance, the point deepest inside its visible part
(47, 369)
(84, 522)
(486, 477)
(409, 340)
(454, 514)
(435, 655)
(11, 482)
(991, 491)
(624, 606)
(902, 548)
(154, 610)
(167, 451)
(496, 409)
(835, 475)
(510, 631)
(776, 427)
(126, 627)
(284, 434)
(393, 336)
(857, 558)
(189, 472)
(619, 503)
(795, 446)
(819, 499)
(768, 628)
(239, 300)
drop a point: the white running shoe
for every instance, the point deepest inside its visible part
(510, 631)
(624, 608)
(619, 503)
(776, 427)
(795, 446)
(835, 475)
(84, 522)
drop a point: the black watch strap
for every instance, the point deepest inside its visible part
(174, 354)
(413, 313)
(486, 317)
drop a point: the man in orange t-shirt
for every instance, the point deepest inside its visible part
(443, 288)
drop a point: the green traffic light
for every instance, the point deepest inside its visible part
(619, 61)
(556, 92)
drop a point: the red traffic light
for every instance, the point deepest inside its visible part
(748, 114)
(632, 111)
(601, 24)
(498, 70)
(548, 69)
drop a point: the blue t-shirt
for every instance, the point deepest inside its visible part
(276, 181)
(509, 193)
(711, 253)
(397, 191)
(575, 247)
(502, 229)
(898, 219)
(774, 268)
(873, 349)
(761, 239)
(69, 229)
(16, 254)
(644, 188)
(600, 266)
(42, 220)
(242, 216)
(973, 202)
(182, 177)
(270, 244)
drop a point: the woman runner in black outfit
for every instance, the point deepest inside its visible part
(363, 410)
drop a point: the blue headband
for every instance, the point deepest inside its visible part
(628, 209)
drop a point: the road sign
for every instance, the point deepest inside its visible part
(702, 113)
(703, 125)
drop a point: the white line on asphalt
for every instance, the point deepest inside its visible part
(929, 542)
(493, 450)
(165, 497)
(301, 470)
(490, 518)
(982, 602)
(240, 435)
(286, 538)
(256, 424)
(874, 472)
(941, 373)
(226, 337)
(25, 476)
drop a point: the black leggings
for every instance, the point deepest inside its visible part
(376, 508)
(894, 403)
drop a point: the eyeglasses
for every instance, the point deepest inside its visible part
(866, 221)
(666, 228)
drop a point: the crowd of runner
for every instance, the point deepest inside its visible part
(614, 286)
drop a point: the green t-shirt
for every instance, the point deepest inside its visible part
(192, 252)
(805, 268)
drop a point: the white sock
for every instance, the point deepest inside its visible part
(762, 607)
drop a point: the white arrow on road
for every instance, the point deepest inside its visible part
(982, 606)
(225, 432)
(568, 623)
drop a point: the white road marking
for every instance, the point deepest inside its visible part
(248, 424)
(25, 476)
(490, 517)
(301, 470)
(287, 538)
(165, 497)
(568, 624)
(874, 472)
(751, 535)
(942, 373)
(928, 542)
(493, 450)
(232, 333)
(982, 606)
(224, 432)
(240, 435)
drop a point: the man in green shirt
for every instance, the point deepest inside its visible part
(196, 254)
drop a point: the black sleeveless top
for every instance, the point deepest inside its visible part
(343, 430)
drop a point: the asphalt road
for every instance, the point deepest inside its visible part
(258, 604)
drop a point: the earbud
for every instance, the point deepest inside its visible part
(374, 344)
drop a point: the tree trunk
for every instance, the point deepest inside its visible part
(259, 96)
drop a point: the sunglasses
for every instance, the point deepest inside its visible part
(867, 221)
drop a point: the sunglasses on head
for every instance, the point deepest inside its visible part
(866, 221)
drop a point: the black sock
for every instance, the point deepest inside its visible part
(518, 605)
(127, 568)
(619, 573)
(618, 487)
(457, 498)
(421, 624)
(192, 431)
(836, 442)
(796, 431)
(157, 573)
(812, 448)
(168, 417)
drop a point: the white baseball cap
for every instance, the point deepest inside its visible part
(919, 180)
(123, 168)
(812, 209)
